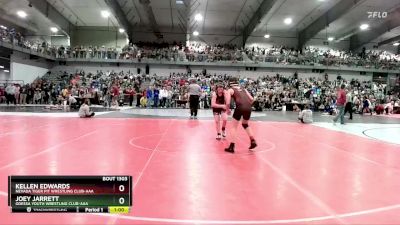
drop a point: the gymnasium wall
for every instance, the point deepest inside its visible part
(52, 40)
(26, 69)
(389, 48)
(211, 37)
(4, 76)
(290, 40)
(169, 35)
(27, 73)
(98, 36)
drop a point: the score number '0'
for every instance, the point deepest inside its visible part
(121, 188)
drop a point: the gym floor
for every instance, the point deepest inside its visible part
(300, 174)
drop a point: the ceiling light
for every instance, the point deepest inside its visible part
(364, 26)
(3, 27)
(179, 2)
(331, 38)
(1, 67)
(6, 71)
(198, 17)
(22, 14)
(267, 36)
(288, 21)
(121, 30)
(196, 33)
(396, 44)
(105, 14)
(54, 29)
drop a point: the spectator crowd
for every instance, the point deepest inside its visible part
(200, 52)
(276, 92)
(271, 92)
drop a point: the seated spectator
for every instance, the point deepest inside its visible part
(296, 108)
(143, 101)
(379, 109)
(366, 106)
(306, 116)
(73, 103)
(84, 110)
(389, 108)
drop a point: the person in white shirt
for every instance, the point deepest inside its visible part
(389, 108)
(10, 94)
(169, 97)
(349, 105)
(72, 101)
(306, 116)
(84, 110)
(163, 97)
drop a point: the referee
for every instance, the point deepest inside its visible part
(194, 96)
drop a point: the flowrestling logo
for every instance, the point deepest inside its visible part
(377, 15)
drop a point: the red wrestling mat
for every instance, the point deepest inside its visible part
(299, 174)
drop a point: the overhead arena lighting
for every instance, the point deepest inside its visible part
(288, 21)
(331, 38)
(396, 44)
(267, 36)
(22, 14)
(6, 71)
(364, 26)
(121, 30)
(1, 67)
(3, 27)
(105, 13)
(54, 29)
(179, 2)
(196, 33)
(198, 17)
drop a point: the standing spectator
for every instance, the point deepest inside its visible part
(2, 95)
(108, 99)
(37, 97)
(130, 92)
(169, 97)
(163, 97)
(115, 95)
(138, 93)
(29, 97)
(149, 97)
(10, 94)
(340, 103)
(23, 95)
(194, 93)
(17, 92)
(156, 97)
(349, 105)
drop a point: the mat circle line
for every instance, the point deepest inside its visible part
(131, 142)
(364, 132)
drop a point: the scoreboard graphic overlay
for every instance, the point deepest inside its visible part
(70, 194)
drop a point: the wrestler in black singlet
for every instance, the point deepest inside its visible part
(220, 100)
(243, 104)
